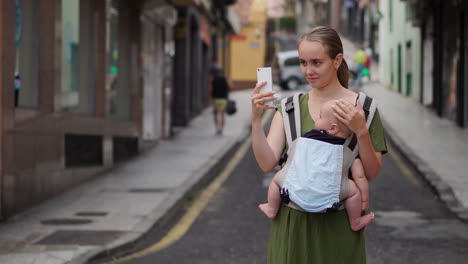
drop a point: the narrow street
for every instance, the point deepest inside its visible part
(125, 124)
(412, 225)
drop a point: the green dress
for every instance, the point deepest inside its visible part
(298, 237)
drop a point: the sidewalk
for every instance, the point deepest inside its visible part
(120, 206)
(436, 147)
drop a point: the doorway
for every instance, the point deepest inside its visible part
(399, 68)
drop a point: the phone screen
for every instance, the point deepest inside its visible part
(264, 75)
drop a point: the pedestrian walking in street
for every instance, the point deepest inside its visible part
(355, 192)
(220, 90)
(368, 63)
(297, 236)
(360, 58)
(17, 87)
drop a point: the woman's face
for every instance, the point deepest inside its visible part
(316, 66)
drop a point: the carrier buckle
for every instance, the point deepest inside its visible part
(283, 159)
(289, 106)
(335, 207)
(284, 194)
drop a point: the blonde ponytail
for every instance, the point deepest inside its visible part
(343, 74)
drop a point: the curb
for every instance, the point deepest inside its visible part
(441, 189)
(168, 209)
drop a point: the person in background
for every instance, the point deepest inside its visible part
(214, 67)
(368, 62)
(17, 87)
(360, 59)
(220, 86)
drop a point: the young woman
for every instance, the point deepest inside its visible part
(297, 236)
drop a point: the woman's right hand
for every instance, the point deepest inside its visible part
(259, 100)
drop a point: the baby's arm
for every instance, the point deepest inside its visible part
(357, 171)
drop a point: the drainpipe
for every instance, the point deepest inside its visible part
(460, 115)
(438, 55)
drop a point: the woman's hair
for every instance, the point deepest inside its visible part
(333, 46)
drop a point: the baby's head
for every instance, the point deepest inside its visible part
(328, 122)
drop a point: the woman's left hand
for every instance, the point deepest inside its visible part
(352, 116)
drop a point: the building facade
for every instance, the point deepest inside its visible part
(248, 48)
(437, 50)
(399, 49)
(421, 46)
(201, 35)
(85, 84)
(448, 22)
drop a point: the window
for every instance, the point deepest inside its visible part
(409, 66)
(408, 12)
(119, 62)
(399, 66)
(70, 45)
(26, 53)
(113, 56)
(124, 148)
(292, 62)
(392, 70)
(390, 15)
(78, 65)
(83, 151)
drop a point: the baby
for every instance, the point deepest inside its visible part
(328, 128)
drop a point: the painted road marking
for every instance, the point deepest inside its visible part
(198, 205)
(407, 172)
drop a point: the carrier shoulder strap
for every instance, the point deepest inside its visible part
(290, 108)
(369, 105)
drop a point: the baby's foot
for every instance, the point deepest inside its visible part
(267, 210)
(362, 221)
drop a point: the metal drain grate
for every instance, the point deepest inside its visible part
(91, 213)
(66, 221)
(148, 190)
(80, 237)
(136, 190)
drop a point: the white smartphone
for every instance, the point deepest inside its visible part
(264, 75)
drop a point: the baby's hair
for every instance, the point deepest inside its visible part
(328, 111)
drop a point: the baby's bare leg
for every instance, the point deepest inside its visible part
(271, 208)
(353, 207)
(357, 170)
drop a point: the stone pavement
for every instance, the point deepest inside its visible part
(435, 146)
(119, 206)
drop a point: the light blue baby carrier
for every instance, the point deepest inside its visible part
(315, 176)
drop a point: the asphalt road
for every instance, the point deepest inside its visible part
(412, 225)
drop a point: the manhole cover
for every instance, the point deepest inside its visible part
(91, 214)
(80, 237)
(66, 221)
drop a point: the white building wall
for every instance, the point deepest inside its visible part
(305, 16)
(402, 32)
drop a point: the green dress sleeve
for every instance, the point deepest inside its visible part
(377, 135)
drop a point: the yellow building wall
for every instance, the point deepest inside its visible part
(247, 50)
